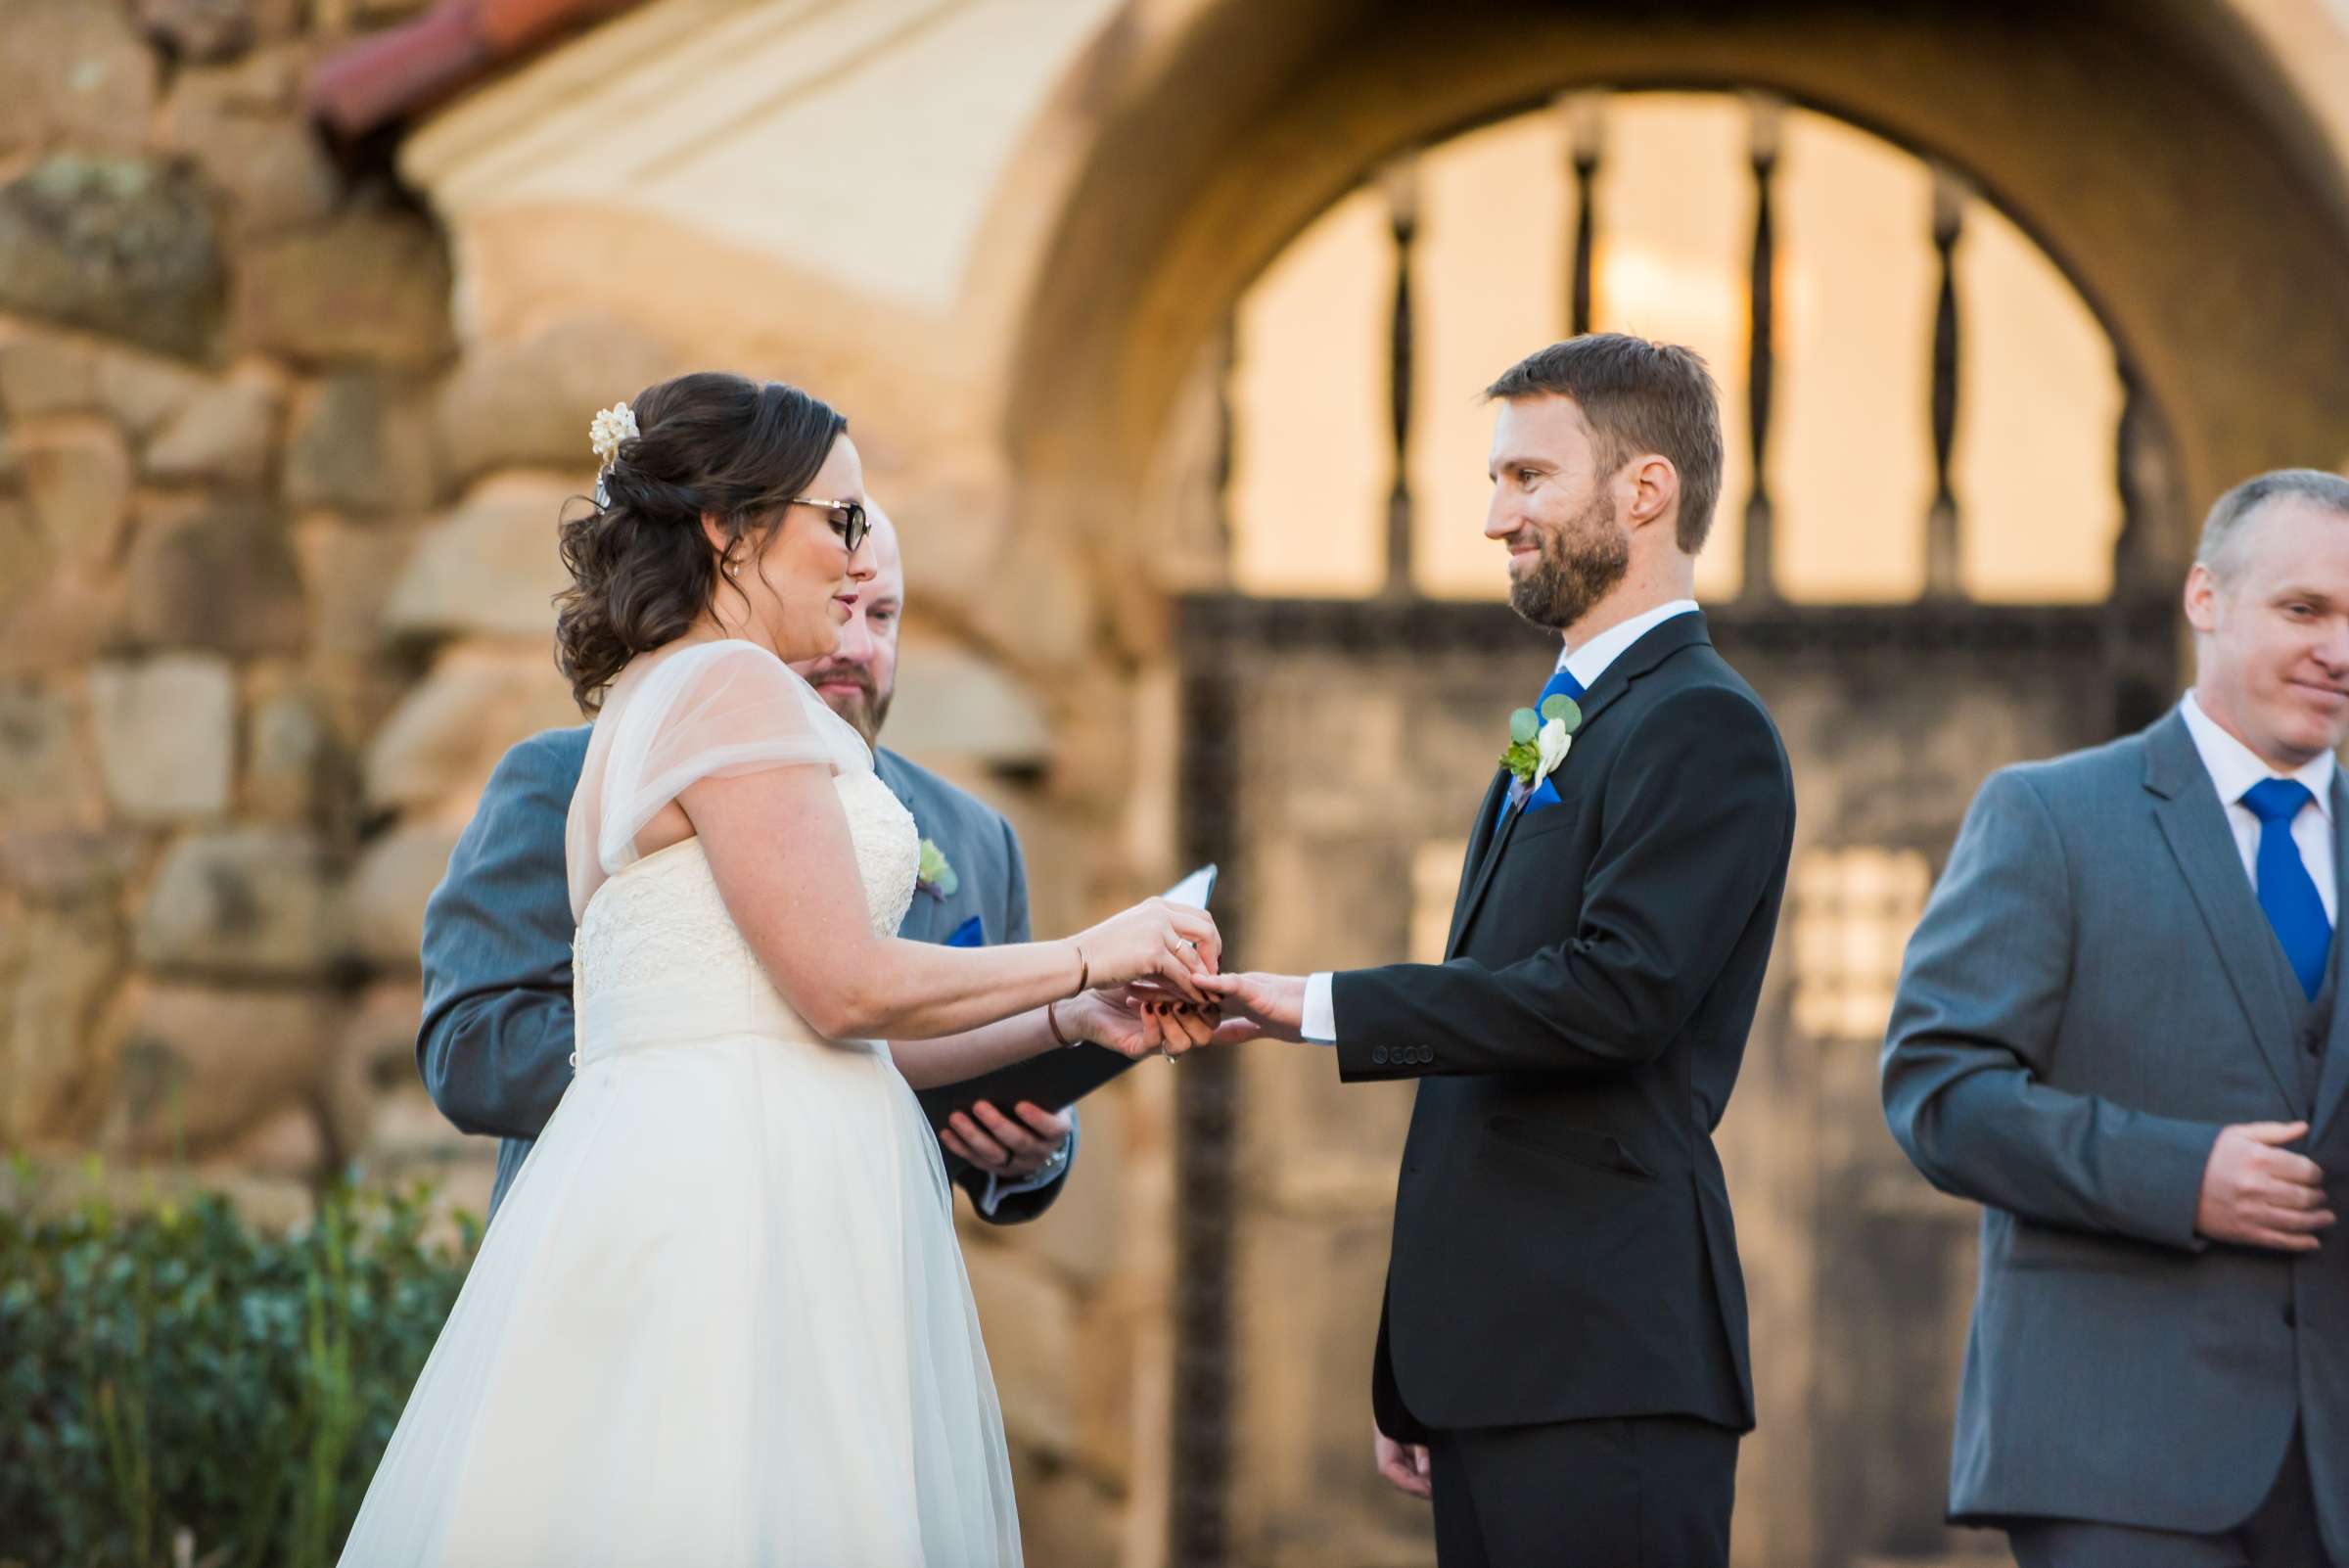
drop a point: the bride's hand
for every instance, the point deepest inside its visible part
(1140, 1023)
(1173, 942)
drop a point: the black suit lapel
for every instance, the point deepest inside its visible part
(1480, 845)
(2194, 822)
(1640, 659)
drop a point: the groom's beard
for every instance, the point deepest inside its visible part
(1578, 564)
(865, 709)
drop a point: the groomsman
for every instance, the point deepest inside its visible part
(495, 1043)
(2117, 1030)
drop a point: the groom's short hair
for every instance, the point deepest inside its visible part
(1638, 396)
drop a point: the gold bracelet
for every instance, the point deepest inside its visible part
(1053, 1024)
(1084, 973)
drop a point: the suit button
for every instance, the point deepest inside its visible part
(1427, 1053)
(1378, 1056)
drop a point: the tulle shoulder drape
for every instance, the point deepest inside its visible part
(711, 710)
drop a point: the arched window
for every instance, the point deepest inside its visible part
(1928, 408)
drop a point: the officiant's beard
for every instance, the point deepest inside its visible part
(1578, 564)
(865, 711)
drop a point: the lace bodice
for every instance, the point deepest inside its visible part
(660, 922)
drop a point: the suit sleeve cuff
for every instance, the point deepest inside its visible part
(1320, 1025)
(1051, 1171)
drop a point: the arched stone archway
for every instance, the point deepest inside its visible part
(2155, 150)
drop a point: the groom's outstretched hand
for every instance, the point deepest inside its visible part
(1271, 1005)
(1403, 1464)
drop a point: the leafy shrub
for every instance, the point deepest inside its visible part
(178, 1388)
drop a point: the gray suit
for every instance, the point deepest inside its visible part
(2092, 994)
(496, 1042)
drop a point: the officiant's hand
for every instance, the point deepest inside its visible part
(1403, 1464)
(1273, 1004)
(1001, 1146)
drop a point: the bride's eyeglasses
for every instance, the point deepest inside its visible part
(849, 519)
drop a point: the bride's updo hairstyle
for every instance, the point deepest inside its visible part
(641, 570)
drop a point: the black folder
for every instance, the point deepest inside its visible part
(1056, 1078)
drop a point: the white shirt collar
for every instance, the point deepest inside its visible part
(2234, 768)
(1588, 662)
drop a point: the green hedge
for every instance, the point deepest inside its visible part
(181, 1390)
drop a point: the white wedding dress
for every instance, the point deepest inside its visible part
(721, 1318)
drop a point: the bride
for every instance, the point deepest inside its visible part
(721, 1318)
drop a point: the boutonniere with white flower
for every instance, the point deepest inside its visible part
(1539, 742)
(935, 875)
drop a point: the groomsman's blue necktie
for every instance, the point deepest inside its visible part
(1562, 684)
(2286, 891)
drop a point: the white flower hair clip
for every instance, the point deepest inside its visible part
(605, 433)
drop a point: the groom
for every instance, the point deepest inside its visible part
(1561, 1359)
(495, 1043)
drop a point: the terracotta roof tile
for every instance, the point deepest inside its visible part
(392, 74)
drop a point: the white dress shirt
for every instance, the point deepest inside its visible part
(2234, 769)
(1585, 664)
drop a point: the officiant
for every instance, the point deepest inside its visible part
(496, 1042)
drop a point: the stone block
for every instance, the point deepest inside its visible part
(296, 769)
(1066, 1518)
(350, 571)
(47, 373)
(68, 964)
(1029, 1322)
(444, 739)
(123, 246)
(167, 735)
(395, 875)
(528, 405)
(200, 31)
(225, 435)
(362, 444)
(490, 567)
(61, 622)
(1080, 1234)
(60, 868)
(369, 287)
(951, 701)
(244, 903)
(145, 391)
(287, 1142)
(203, 1066)
(43, 777)
(77, 476)
(25, 556)
(73, 73)
(223, 580)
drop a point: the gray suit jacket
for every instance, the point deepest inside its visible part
(495, 1045)
(2092, 994)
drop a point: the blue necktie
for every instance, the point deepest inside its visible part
(1562, 684)
(2286, 891)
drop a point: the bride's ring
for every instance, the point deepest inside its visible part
(1168, 1054)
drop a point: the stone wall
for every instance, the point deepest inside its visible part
(276, 549)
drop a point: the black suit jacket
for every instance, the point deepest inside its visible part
(1563, 1247)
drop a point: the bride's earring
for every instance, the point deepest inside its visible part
(734, 569)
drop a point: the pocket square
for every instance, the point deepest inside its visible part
(970, 934)
(1545, 795)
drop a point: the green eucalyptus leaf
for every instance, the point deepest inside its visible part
(1565, 709)
(1523, 726)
